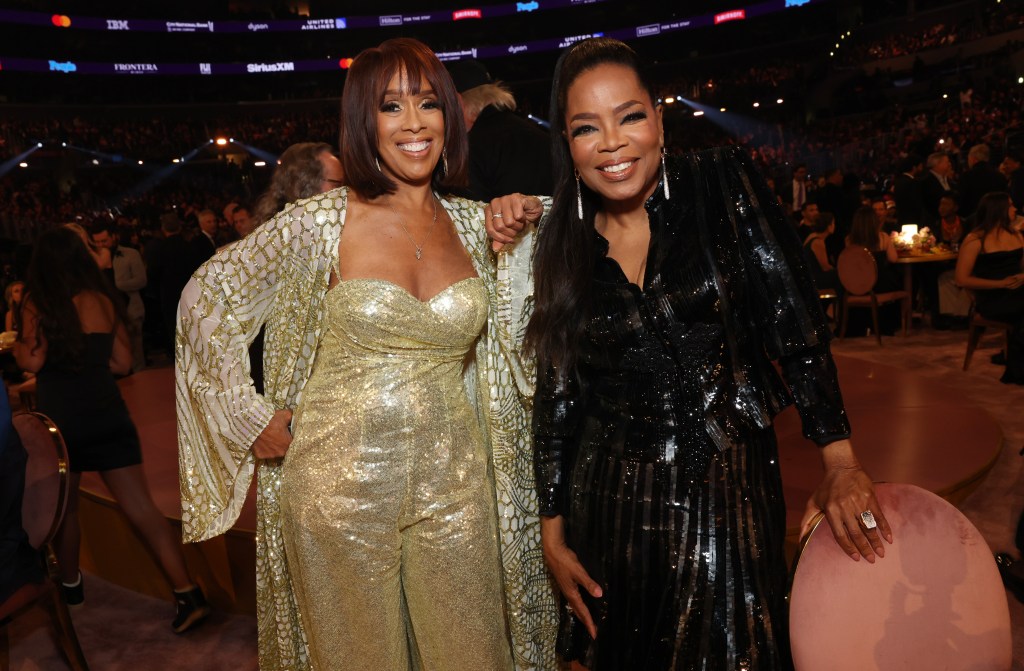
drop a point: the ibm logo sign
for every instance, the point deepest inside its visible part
(117, 24)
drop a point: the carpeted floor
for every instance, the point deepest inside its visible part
(124, 631)
(121, 630)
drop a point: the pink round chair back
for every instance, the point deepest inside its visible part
(935, 601)
(857, 270)
(46, 476)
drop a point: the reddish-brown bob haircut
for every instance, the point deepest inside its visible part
(367, 80)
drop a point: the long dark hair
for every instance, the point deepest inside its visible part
(993, 212)
(865, 227)
(564, 258)
(62, 267)
(365, 84)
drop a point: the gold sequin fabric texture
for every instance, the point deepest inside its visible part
(387, 502)
(278, 276)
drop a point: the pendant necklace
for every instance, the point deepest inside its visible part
(433, 223)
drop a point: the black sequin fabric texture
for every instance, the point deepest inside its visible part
(658, 449)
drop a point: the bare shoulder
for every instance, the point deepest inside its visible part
(95, 311)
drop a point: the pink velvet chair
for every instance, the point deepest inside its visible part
(935, 601)
(43, 507)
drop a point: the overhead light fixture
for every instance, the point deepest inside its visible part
(175, 160)
(757, 104)
(260, 164)
(23, 165)
(699, 113)
(221, 141)
(669, 100)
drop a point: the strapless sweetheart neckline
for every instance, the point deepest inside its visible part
(379, 280)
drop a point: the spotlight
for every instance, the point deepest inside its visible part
(175, 160)
(95, 161)
(221, 141)
(23, 165)
(831, 53)
(1020, 80)
(945, 96)
(757, 104)
(63, 144)
(260, 164)
(39, 144)
(779, 101)
(942, 141)
(721, 109)
(669, 100)
(837, 45)
(140, 161)
(699, 113)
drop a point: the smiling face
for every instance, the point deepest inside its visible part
(410, 131)
(615, 135)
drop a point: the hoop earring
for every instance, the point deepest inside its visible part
(444, 161)
(664, 173)
(377, 161)
(579, 196)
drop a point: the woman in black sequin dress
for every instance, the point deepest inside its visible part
(990, 264)
(664, 289)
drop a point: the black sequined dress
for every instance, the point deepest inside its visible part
(660, 454)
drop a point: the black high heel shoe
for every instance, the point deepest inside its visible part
(1012, 572)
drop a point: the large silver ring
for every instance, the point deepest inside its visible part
(868, 520)
(496, 215)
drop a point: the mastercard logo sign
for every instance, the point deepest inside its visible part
(345, 63)
(60, 20)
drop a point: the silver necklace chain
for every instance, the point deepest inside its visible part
(433, 223)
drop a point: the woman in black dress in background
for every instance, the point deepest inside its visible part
(664, 288)
(990, 264)
(74, 338)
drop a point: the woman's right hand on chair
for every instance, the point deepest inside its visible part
(273, 442)
(568, 571)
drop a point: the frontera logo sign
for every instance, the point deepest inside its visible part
(527, 6)
(391, 20)
(270, 67)
(647, 31)
(136, 68)
(56, 66)
(734, 15)
(460, 14)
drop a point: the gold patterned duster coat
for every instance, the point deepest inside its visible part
(278, 277)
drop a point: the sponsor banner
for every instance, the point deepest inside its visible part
(137, 68)
(732, 15)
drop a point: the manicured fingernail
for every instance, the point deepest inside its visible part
(855, 556)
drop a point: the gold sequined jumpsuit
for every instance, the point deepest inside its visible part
(387, 495)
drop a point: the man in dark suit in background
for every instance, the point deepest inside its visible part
(936, 181)
(906, 191)
(980, 178)
(507, 153)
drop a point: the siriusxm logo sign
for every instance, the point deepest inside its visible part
(117, 24)
(647, 31)
(270, 67)
(392, 20)
(527, 6)
(56, 66)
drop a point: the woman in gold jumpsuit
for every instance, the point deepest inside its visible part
(399, 530)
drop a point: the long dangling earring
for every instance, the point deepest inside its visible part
(579, 197)
(664, 173)
(377, 161)
(444, 161)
